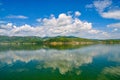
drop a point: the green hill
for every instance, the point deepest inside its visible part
(60, 40)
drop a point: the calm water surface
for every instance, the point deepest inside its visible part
(94, 62)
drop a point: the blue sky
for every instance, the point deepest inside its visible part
(98, 19)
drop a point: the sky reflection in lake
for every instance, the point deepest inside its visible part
(100, 59)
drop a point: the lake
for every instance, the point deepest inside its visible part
(91, 62)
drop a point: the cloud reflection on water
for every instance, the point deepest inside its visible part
(63, 60)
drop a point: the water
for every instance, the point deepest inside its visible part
(93, 62)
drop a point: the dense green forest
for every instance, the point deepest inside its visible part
(16, 39)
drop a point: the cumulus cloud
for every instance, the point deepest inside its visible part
(63, 25)
(8, 26)
(17, 16)
(106, 9)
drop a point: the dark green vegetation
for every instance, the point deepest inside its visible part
(15, 39)
(60, 40)
(4, 47)
(111, 41)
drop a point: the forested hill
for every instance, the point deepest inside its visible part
(53, 40)
(16, 39)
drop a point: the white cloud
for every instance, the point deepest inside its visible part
(17, 16)
(100, 5)
(94, 31)
(114, 25)
(8, 26)
(77, 13)
(111, 14)
(106, 9)
(63, 25)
